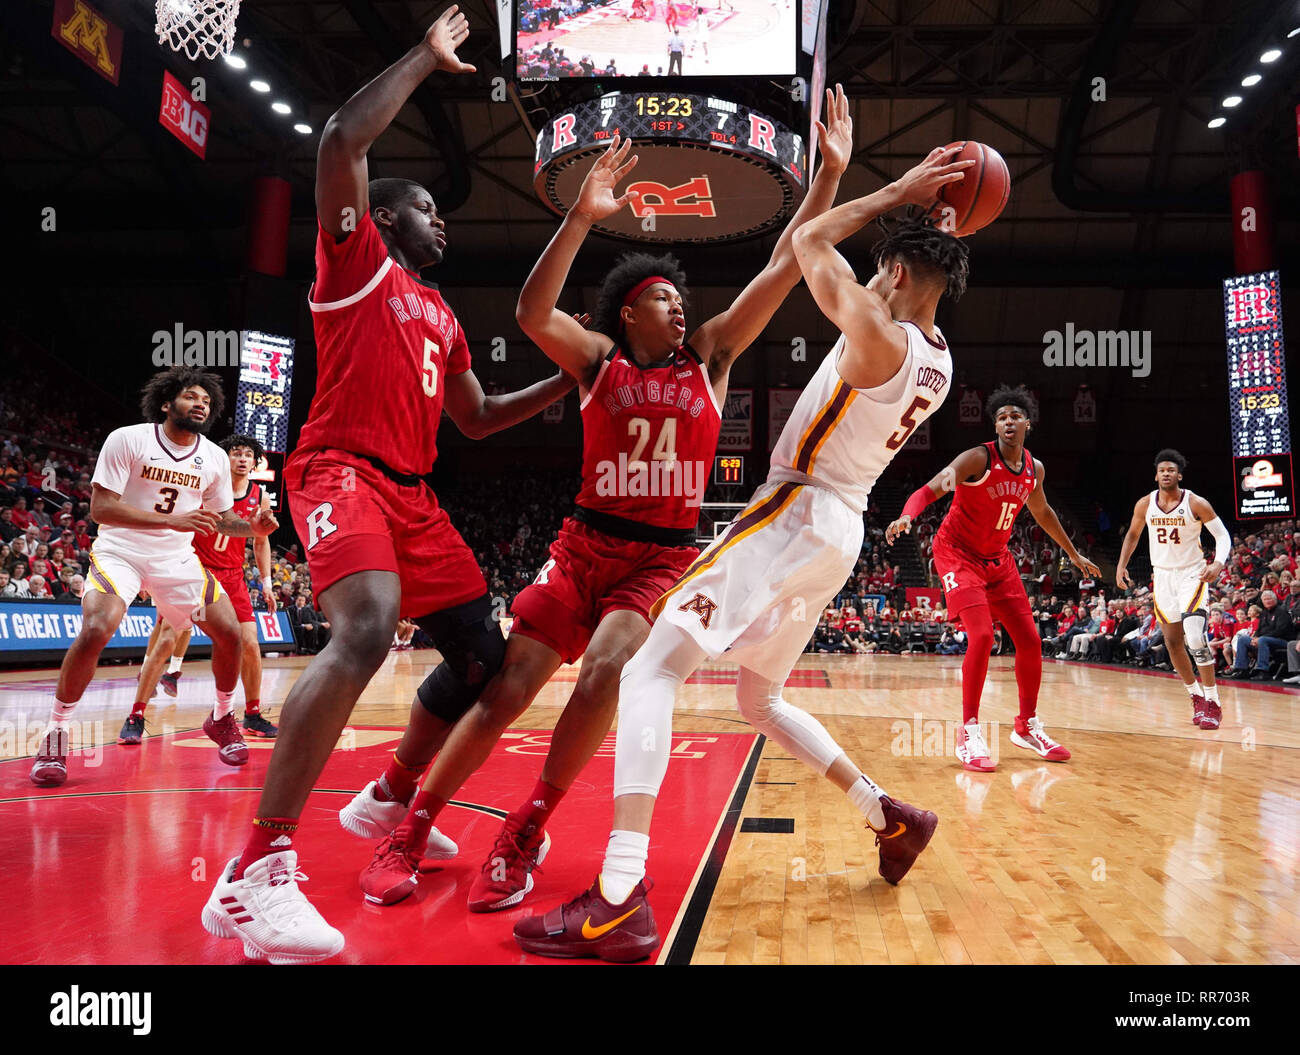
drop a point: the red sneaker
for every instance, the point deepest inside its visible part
(507, 875)
(226, 735)
(907, 832)
(392, 875)
(50, 768)
(1199, 703)
(1029, 734)
(590, 926)
(1213, 713)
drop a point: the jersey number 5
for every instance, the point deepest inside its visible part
(429, 372)
(907, 423)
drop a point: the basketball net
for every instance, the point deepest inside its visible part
(197, 27)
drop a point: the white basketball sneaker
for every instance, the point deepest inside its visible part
(369, 818)
(1029, 734)
(269, 914)
(972, 750)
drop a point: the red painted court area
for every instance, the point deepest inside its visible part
(114, 867)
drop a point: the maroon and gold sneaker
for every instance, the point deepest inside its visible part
(590, 926)
(50, 768)
(907, 832)
(393, 874)
(1213, 713)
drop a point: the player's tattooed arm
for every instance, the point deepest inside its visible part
(720, 340)
(478, 415)
(259, 525)
(108, 510)
(966, 467)
(1135, 527)
(573, 348)
(341, 171)
(1042, 512)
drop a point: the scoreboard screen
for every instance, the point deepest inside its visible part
(265, 382)
(728, 469)
(1261, 427)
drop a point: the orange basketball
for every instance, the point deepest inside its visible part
(977, 200)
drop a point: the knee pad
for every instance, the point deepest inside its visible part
(473, 650)
(1194, 636)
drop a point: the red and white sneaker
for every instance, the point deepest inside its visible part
(1199, 703)
(371, 819)
(392, 875)
(51, 766)
(1029, 734)
(590, 926)
(224, 732)
(507, 875)
(1213, 714)
(972, 750)
(908, 830)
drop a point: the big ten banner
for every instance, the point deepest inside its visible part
(780, 405)
(924, 598)
(184, 116)
(737, 432)
(265, 384)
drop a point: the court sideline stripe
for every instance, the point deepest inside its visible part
(680, 944)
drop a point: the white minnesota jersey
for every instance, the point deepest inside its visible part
(151, 473)
(1174, 537)
(842, 438)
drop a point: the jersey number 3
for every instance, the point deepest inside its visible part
(907, 423)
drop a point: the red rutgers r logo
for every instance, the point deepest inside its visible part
(668, 200)
(562, 134)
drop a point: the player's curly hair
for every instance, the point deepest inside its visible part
(166, 385)
(238, 440)
(1007, 396)
(631, 269)
(1170, 455)
(932, 253)
(390, 192)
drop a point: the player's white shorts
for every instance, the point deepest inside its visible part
(178, 584)
(1178, 590)
(758, 591)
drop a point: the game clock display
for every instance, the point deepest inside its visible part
(1257, 402)
(728, 470)
(265, 385)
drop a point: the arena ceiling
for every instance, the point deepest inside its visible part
(1131, 190)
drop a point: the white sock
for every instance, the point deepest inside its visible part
(60, 716)
(624, 866)
(225, 704)
(1194, 689)
(1210, 692)
(865, 795)
(174, 664)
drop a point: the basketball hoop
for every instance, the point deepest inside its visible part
(197, 27)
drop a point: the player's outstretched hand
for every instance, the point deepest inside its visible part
(269, 598)
(1122, 579)
(201, 522)
(448, 32)
(920, 185)
(901, 526)
(596, 199)
(263, 523)
(1212, 571)
(835, 137)
(1084, 564)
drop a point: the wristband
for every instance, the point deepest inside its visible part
(921, 498)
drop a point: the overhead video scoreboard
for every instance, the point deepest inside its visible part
(1261, 427)
(265, 385)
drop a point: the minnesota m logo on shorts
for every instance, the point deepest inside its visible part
(701, 606)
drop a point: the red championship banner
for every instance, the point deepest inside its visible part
(924, 598)
(90, 36)
(184, 117)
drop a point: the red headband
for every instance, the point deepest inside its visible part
(643, 285)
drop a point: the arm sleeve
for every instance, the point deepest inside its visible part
(113, 469)
(1222, 540)
(921, 498)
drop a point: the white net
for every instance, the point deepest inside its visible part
(197, 27)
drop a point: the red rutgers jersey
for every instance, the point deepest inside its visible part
(385, 345)
(984, 511)
(648, 439)
(226, 552)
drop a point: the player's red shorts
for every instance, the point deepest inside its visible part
(967, 579)
(352, 517)
(589, 575)
(232, 582)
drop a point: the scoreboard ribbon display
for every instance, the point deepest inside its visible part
(265, 382)
(1261, 428)
(709, 170)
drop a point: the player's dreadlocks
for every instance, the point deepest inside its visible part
(932, 253)
(165, 386)
(1171, 455)
(231, 442)
(631, 269)
(1006, 396)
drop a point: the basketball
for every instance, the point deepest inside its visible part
(978, 200)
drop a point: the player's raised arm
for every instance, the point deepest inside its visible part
(965, 467)
(1134, 533)
(478, 415)
(566, 342)
(1205, 513)
(725, 336)
(1047, 519)
(341, 172)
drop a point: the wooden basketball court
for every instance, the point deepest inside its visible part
(1158, 843)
